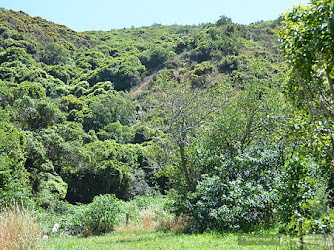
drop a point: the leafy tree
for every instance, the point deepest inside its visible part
(71, 102)
(54, 54)
(14, 184)
(108, 108)
(252, 116)
(109, 168)
(297, 194)
(184, 110)
(224, 20)
(155, 58)
(33, 90)
(51, 189)
(37, 113)
(6, 95)
(307, 43)
(117, 132)
(13, 54)
(234, 204)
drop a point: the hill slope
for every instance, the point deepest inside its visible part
(62, 94)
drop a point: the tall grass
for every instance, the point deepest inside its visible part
(19, 229)
(150, 213)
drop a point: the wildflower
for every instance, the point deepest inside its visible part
(55, 228)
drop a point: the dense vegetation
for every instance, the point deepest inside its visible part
(203, 114)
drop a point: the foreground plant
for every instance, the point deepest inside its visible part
(307, 43)
(19, 229)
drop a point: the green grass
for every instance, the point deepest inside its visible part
(145, 239)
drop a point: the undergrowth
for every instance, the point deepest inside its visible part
(19, 229)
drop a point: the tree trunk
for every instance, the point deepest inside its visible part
(184, 166)
(301, 236)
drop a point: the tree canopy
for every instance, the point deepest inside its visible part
(308, 44)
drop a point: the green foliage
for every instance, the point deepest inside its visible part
(33, 90)
(299, 197)
(54, 54)
(184, 111)
(71, 102)
(117, 132)
(232, 193)
(307, 43)
(224, 20)
(108, 108)
(112, 167)
(51, 189)
(101, 214)
(155, 59)
(13, 54)
(37, 113)
(251, 116)
(95, 218)
(237, 204)
(14, 185)
(236, 163)
(189, 128)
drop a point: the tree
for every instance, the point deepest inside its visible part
(223, 20)
(184, 111)
(239, 160)
(308, 44)
(13, 176)
(54, 54)
(253, 116)
(108, 108)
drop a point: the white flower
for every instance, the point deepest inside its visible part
(55, 228)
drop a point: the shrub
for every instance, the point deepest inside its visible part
(231, 193)
(303, 197)
(95, 218)
(19, 230)
(232, 204)
(101, 214)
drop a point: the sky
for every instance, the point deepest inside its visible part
(82, 15)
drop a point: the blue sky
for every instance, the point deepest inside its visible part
(82, 15)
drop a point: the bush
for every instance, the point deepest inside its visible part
(231, 204)
(95, 218)
(231, 193)
(101, 214)
(107, 213)
(19, 230)
(303, 197)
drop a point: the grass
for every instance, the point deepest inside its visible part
(154, 230)
(19, 229)
(151, 239)
(148, 226)
(144, 239)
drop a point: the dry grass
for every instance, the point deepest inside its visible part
(148, 218)
(151, 221)
(175, 224)
(147, 222)
(142, 86)
(19, 230)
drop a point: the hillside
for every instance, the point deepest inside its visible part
(84, 114)
(59, 93)
(217, 126)
(126, 57)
